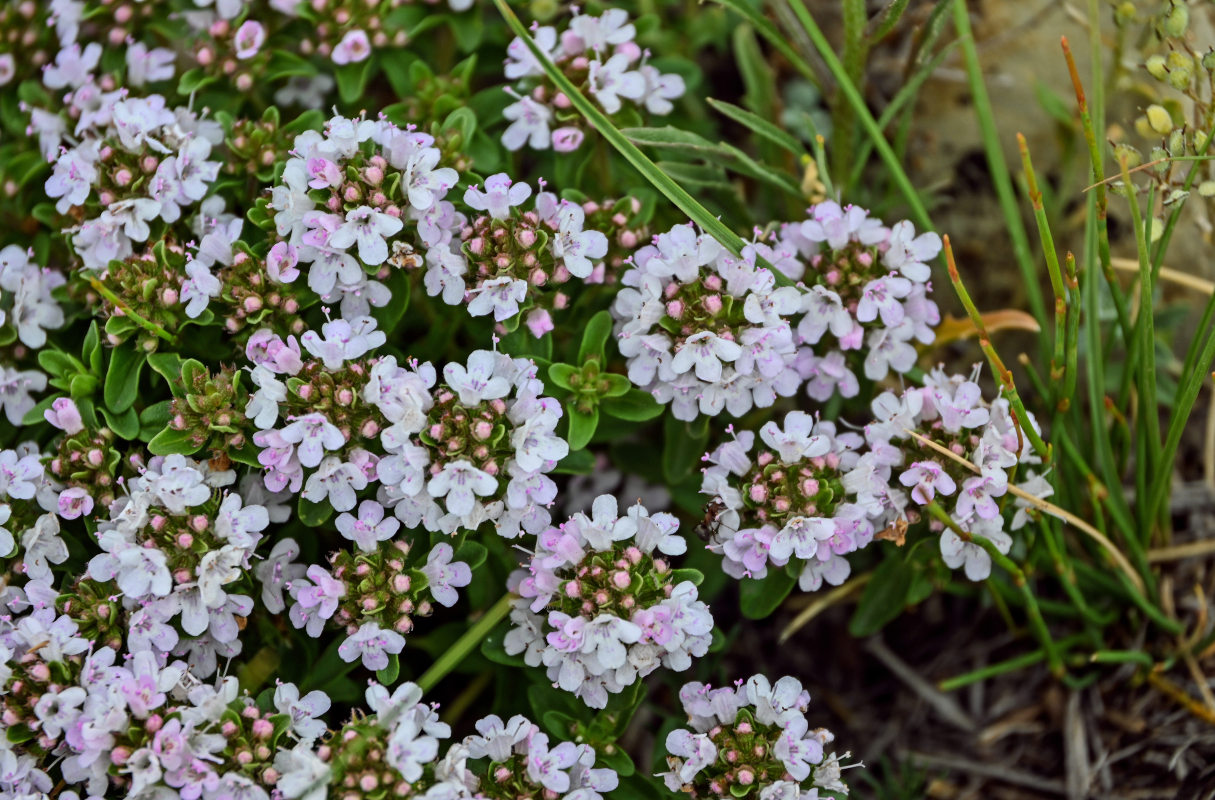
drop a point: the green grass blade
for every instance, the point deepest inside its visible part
(599, 121)
(760, 127)
(853, 97)
(999, 168)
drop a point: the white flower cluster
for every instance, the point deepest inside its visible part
(171, 547)
(141, 161)
(600, 607)
(752, 736)
(787, 500)
(344, 201)
(599, 55)
(504, 252)
(866, 293)
(899, 469)
(471, 449)
(703, 330)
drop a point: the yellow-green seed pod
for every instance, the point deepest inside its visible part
(1124, 152)
(1176, 143)
(1161, 155)
(1200, 141)
(1158, 119)
(1180, 78)
(1176, 21)
(1206, 189)
(1124, 13)
(1157, 228)
(1155, 66)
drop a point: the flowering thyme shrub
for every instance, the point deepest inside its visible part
(378, 419)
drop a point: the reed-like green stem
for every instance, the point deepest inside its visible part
(463, 646)
(854, 99)
(1000, 176)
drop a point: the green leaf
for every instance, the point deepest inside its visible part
(521, 344)
(170, 441)
(314, 515)
(83, 385)
(615, 758)
(759, 598)
(35, 414)
(122, 378)
(582, 426)
(687, 574)
(388, 676)
(884, 597)
(153, 418)
(595, 337)
(578, 462)
(634, 406)
(618, 385)
(471, 553)
(559, 724)
(126, 424)
(882, 24)
(91, 350)
(682, 446)
(760, 127)
(352, 79)
(167, 365)
(57, 362)
(560, 374)
(285, 64)
(193, 80)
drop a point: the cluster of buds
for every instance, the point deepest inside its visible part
(96, 609)
(705, 331)
(250, 299)
(786, 504)
(348, 33)
(599, 56)
(147, 284)
(233, 53)
(255, 146)
(600, 606)
(375, 593)
(209, 408)
(25, 29)
(750, 740)
(41, 660)
(865, 295)
(480, 443)
(903, 473)
(394, 752)
(344, 204)
(84, 459)
(519, 257)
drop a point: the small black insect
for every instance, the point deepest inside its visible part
(707, 529)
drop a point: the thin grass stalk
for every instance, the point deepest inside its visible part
(1145, 335)
(682, 200)
(1052, 267)
(1098, 173)
(1037, 623)
(1025, 426)
(1000, 175)
(853, 97)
